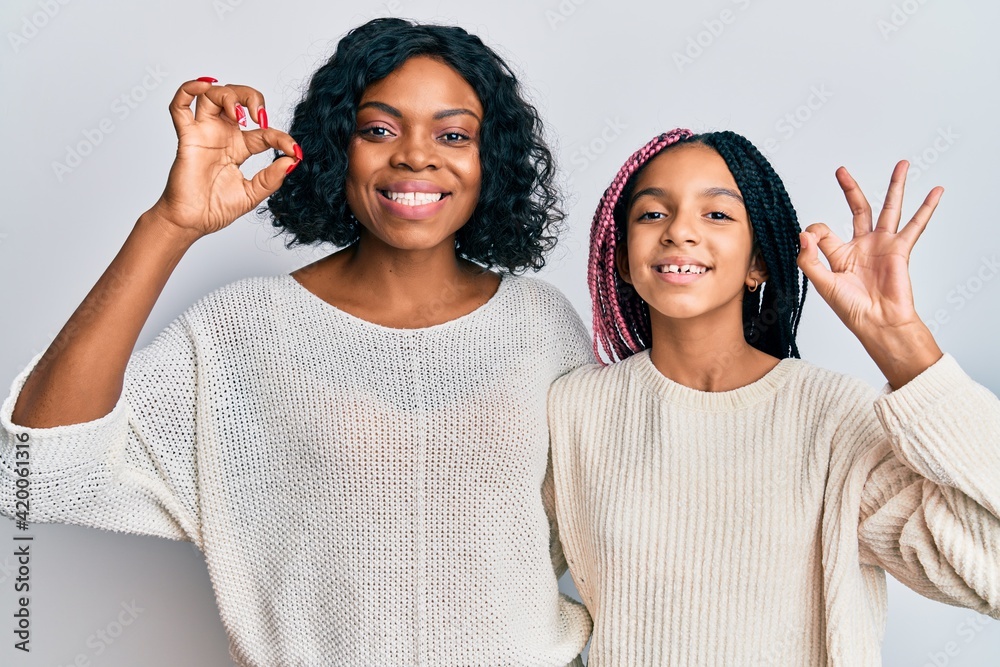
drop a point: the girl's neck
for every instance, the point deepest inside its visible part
(707, 353)
(400, 288)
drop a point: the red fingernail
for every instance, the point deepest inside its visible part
(292, 167)
(262, 115)
(298, 152)
(241, 116)
(207, 79)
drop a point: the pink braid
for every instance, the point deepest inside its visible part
(618, 327)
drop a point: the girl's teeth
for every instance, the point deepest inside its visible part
(414, 198)
(685, 268)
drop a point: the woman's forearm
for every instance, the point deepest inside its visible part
(81, 374)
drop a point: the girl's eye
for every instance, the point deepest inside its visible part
(651, 215)
(719, 215)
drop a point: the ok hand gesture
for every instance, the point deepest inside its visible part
(868, 282)
(206, 190)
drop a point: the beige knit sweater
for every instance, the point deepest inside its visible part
(755, 526)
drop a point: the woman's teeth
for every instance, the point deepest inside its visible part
(684, 268)
(413, 198)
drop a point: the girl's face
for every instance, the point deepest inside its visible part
(689, 240)
(413, 174)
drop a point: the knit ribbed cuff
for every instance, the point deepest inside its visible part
(944, 425)
(72, 445)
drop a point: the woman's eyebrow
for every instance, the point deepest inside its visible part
(448, 113)
(393, 111)
(382, 106)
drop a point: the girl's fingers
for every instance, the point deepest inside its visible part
(888, 219)
(825, 239)
(860, 208)
(808, 260)
(918, 223)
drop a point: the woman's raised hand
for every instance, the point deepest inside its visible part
(868, 282)
(206, 190)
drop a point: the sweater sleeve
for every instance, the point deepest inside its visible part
(574, 344)
(132, 470)
(930, 504)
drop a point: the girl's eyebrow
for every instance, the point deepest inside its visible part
(393, 111)
(724, 192)
(648, 192)
(709, 192)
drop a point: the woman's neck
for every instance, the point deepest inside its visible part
(399, 288)
(707, 353)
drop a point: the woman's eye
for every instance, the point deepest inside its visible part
(452, 137)
(375, 131)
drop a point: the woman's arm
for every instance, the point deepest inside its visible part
(80, 376)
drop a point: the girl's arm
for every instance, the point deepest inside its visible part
(80, 376)
(926, 480)
(928, 488)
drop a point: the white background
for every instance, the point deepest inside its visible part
(857, 82)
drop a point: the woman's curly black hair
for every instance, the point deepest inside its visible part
(518, 212)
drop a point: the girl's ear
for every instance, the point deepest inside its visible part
(757, 272)
(621, 262)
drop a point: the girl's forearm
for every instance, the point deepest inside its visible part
(80, 376)
(902, 353)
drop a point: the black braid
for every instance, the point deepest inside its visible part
(771, 315)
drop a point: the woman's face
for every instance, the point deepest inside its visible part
(689, 240)
(413, 175)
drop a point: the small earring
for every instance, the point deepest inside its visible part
(755, 285)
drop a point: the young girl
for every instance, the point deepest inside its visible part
(721, 501)
(359, 449)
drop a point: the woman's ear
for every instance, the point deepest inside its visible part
(758, 271)
(621, 261)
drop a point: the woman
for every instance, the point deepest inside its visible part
(359, 448)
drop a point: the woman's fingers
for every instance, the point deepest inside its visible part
(212, 101)
(228, 100)
(180, 105)
(268, 180)
(860, 208)
(888, 219)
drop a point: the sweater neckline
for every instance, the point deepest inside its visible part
(767, 386)
(490, 304)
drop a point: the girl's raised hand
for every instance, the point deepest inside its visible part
(868, 282)
(206, 190)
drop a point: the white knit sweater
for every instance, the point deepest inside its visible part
(755, 526)
(362, 495)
